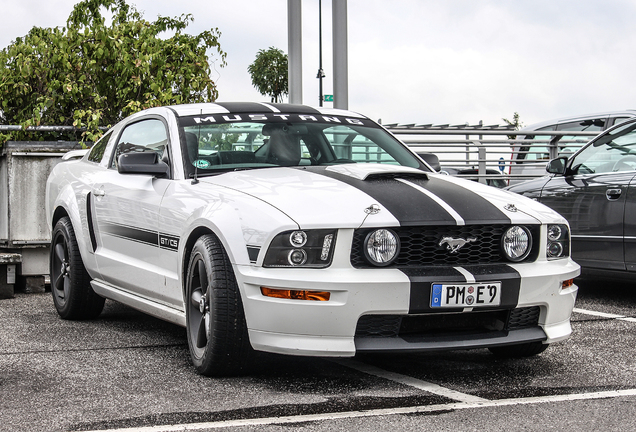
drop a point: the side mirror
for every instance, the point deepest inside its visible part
(557, 166)
(142, 163)
(431, 159)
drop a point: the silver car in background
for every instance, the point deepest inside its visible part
(530, 159)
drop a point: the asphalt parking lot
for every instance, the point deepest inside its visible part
(127, 371)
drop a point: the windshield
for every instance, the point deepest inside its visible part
(215, 144)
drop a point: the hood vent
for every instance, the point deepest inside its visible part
(396, 176)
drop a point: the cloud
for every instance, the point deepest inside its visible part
(415, 61)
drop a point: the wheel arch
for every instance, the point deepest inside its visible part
(58, 214)
(194, 235)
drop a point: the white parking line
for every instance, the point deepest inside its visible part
(379, 412)
(410, 381)
(604, 315)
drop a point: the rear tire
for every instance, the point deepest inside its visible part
(215, 320)
(521, 350)
(73, 296)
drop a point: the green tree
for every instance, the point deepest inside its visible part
(91, 73)
(515, 123)
(269, 73)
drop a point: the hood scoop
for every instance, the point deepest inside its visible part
(396, 176)
(371, 171)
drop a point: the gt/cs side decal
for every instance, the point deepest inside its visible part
(168, 242)
(151, 238)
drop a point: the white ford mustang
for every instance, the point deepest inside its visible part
(298, 230)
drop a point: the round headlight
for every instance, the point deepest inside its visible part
(516, 243)
(554, 232)
(555, 250)
(298, 238)
(297, 257)
(381, 247)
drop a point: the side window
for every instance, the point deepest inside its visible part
(97, 152)
(143, 136)
(611, 153)
(568, 144)
(589, 125)
(618, 120)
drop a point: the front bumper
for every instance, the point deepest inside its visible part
(317, 328)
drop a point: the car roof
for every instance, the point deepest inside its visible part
(257, 108)
(605, 114)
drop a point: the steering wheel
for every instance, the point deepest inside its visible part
(629, 161)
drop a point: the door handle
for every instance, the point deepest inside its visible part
(613, 194)
(99, 192)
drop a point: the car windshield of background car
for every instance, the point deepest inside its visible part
(538, 151)
(213, 146)
(612, 153)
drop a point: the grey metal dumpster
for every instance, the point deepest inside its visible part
(24, 168)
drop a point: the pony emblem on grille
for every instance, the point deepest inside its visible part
(455, 244)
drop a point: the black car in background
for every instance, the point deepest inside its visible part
(595, 190)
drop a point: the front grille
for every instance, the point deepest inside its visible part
(419, 246)
(447, 325)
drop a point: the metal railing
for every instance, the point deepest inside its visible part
(464, 146)
(489, 147)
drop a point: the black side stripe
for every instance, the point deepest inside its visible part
(409, 206)
(151, 238)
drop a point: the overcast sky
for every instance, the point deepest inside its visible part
(420, 61)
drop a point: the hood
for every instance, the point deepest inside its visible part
(354, 195)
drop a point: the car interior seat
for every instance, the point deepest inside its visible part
(283, 149)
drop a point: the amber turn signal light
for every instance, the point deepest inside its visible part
(296, 294)
(567, 283)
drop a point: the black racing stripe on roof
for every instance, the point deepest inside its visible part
(295, 109)
(471, 206)
(408, 205)
(244, 107)
(254, 108)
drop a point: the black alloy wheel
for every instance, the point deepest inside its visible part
(215, 321)
(73, 296)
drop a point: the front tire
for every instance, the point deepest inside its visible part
(73, 296)
(518, 351)
(215, 321)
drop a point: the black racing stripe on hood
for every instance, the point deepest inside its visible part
(408, 205)
(471, 206)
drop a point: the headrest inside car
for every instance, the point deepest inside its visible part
(270, 128)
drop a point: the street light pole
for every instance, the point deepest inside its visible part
(321, 72)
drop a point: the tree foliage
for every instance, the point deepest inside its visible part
(515, 123)
(269, 73)
(92, 73)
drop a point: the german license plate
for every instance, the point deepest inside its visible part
(466, 295)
